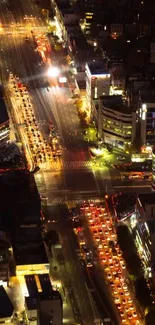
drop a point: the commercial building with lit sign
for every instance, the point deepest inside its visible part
(116, 121)
(97, 81)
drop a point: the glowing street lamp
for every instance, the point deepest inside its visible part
(53, 72)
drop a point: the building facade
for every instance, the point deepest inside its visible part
(116, 122)
(97, 81)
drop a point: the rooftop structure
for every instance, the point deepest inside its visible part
(31, 258)
(96, 68)
(50, 308)
(31, 286)
(20, 190)
(48, 302)
(45, 283)
(97, 81)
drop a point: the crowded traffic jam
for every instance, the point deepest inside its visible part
(104, 237)
(40, 150)
(42, 45)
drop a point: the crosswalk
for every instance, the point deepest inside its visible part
(71, 202)
(63, 165)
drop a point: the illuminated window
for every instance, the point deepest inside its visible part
(95, 95)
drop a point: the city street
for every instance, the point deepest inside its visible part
(72, 177)
(70, 268)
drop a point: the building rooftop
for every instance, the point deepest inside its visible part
(97, 67)
(23, 201)
(6, 307)
(31, 286)
(45, 283)
(50, 308)
(116, 103)
(3, 112)
(27, 235)
(54, 294)
(31, 303)
(28, 253)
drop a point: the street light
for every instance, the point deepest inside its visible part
(53, 72)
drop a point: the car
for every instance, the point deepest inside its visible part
(119, 306)
(134, 314)
(122, 314)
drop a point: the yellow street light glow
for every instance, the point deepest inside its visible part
(53, 72)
